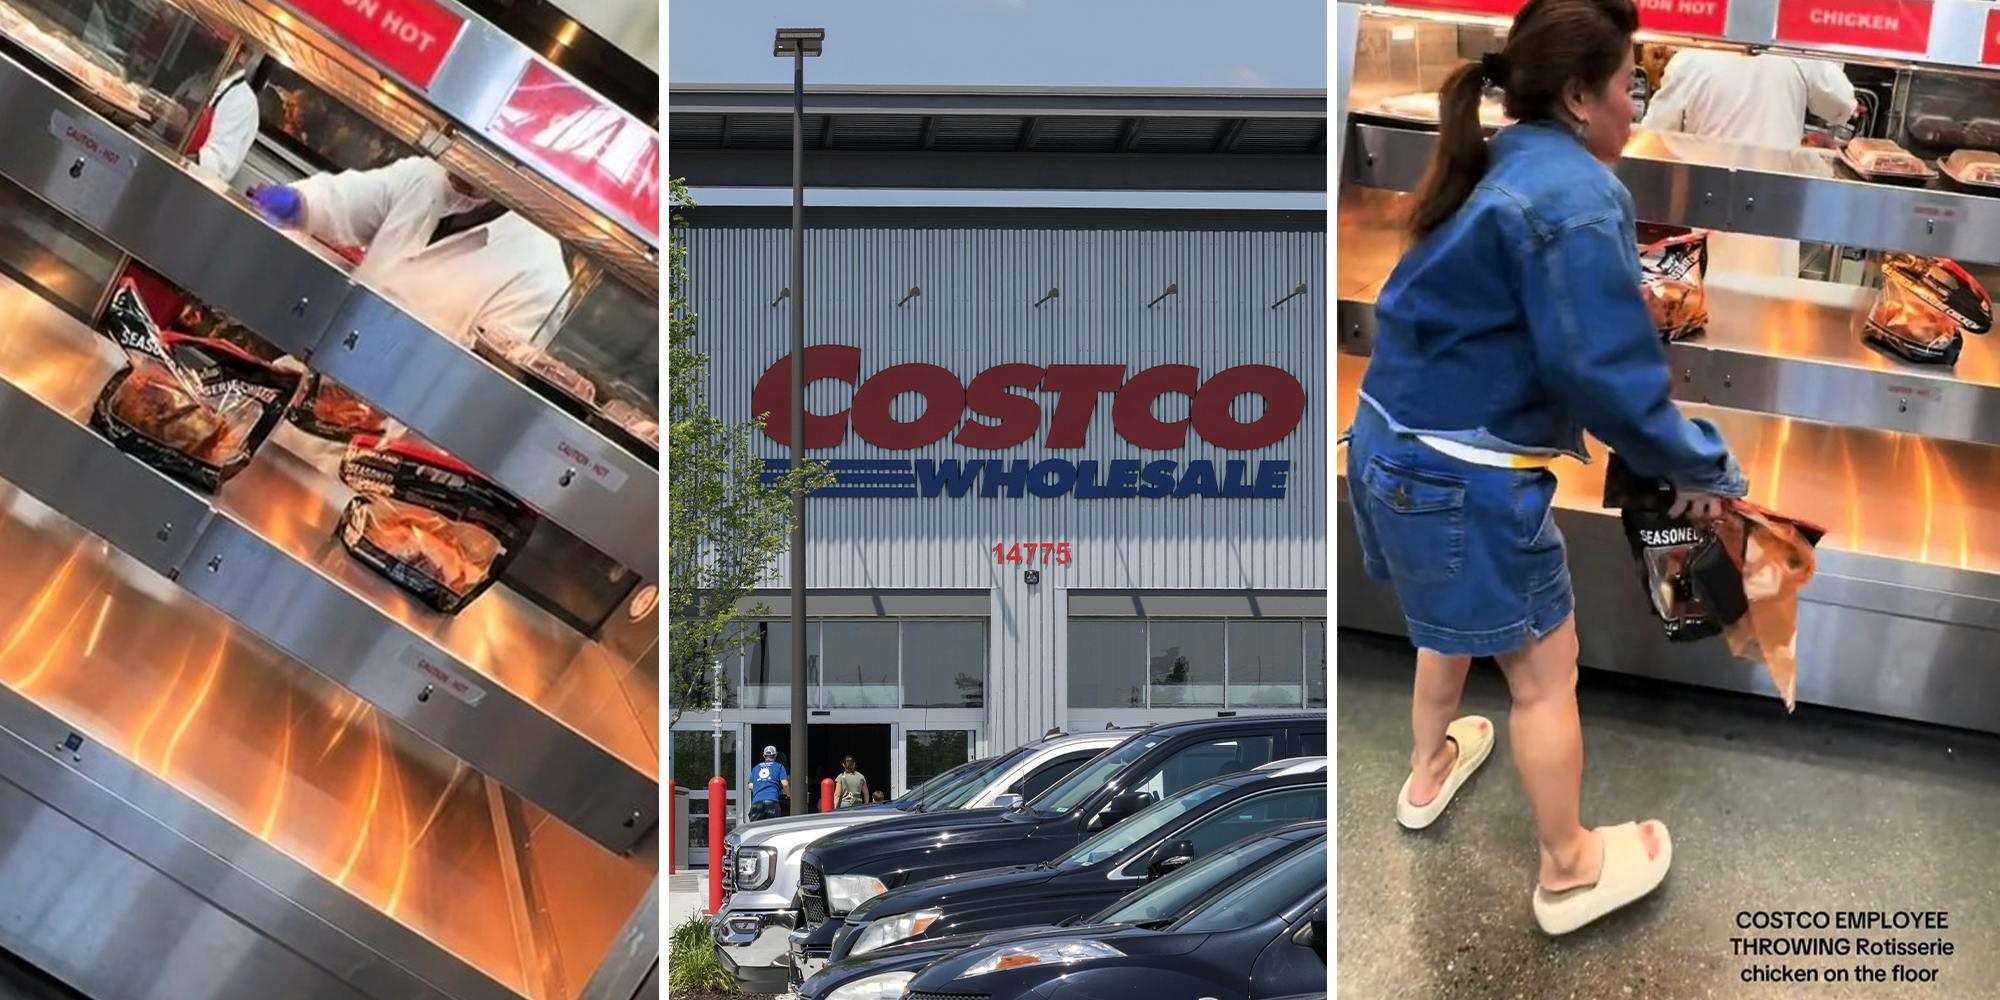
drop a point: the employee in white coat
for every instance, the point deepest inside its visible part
(456, 259)
(227, 126)
(1759, 100)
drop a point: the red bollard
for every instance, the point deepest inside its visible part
(718, 802)
(670, 827)
(826, 795)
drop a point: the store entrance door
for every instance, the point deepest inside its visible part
(826, 743)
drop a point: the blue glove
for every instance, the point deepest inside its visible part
(279, 204)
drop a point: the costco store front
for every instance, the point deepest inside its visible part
(1078, 474)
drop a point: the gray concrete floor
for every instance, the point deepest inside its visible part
(1819, 810)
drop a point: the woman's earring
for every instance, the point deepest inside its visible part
(1580, 126)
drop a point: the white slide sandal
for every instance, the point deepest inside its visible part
(1627, 877)
(1474, 736)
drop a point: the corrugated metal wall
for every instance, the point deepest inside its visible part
(1027, 681)
(977, 310)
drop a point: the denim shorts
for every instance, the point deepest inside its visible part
(1473, 553)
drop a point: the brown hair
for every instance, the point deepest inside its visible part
(1551, 43)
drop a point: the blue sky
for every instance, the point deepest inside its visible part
(1099, 43)
(1086, 43)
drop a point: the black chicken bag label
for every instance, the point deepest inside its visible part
(192, 407)
(1694, 587)
(428, 491)
(1926, 307)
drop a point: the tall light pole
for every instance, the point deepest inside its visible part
(799, 43)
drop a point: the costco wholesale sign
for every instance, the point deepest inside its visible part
(939, 431)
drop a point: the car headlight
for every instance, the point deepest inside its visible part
(889, 930)
(887, 986)
(845, 892)
(755, 867)
(1052, 953)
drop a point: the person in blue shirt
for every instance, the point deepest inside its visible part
(1511, 326)
(768, 782)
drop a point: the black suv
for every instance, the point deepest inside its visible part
(1098, 872)
(1161, 902)
(845, 869)
(1265, 936)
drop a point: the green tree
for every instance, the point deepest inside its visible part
(726, 523)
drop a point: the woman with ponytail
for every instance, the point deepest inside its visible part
(1512, 325)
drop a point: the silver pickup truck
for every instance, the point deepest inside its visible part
(760, 861)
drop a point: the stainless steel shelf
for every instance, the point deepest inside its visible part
(1881, 495)
(542, 710)
(456, 114)
(1785, 347)
(303, 301)
(1958, 29)
(1685, 180)
(161, 765)
(1898, 621)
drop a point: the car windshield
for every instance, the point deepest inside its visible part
(1168, 898)
(955, 794)
(1149, 821)
(937, 784)
(1263, 895)
(1086, 780)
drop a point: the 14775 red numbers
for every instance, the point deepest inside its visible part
(1032, 553)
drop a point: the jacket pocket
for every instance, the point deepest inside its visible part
(1420, 529)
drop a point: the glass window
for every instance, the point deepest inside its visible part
(1167, 899)
(1107, 664)
(1187, 663)
(1312, 744)
(1315, 664)
(1195, 764)
(944, 664)
(857, 665)
(767, 663)
(1263, 895)
(1085, 781)
(1048, 774)
(694, 758)
(1253, 816)
(936, 783)
(1148, 822)
(959, 792)
(1266, 661)
(928, 753)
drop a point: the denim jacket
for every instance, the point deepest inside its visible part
(1518, 324)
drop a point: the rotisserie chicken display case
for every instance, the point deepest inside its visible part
(1858, 404)
(328, 642)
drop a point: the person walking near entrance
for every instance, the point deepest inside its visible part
(768, 781)
(850, 785)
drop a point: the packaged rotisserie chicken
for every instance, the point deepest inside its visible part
(1739, 577)
(1669, 551)
(326, 410)
(1673, 269)
(1926, 307)
(428, 522)
(193, 407)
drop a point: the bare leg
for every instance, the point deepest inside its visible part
(1440, 683)
(1547, 739)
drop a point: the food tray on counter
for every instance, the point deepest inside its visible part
(1853, 157)
(1962, 170)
